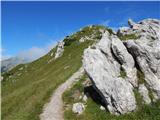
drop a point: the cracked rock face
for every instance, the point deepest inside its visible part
(110, 57)
(103, 67)
(146, 51)
(60, 49)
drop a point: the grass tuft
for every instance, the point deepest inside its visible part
(128, 37)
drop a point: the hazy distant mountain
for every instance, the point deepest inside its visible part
(8, 64)
(122, 74)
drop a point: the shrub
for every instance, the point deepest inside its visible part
(68, 41)
(110, 31)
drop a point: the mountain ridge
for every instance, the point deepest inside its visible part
(35, 82)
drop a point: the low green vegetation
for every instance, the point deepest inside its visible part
(87, 31)
(27, 87)
(110, 31)
(93, 112)
(140, 76)
(122, 73)
(150, 94)
(127, 37)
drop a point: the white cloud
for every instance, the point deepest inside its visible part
(31, 54)
(2, 55)
(36, 52)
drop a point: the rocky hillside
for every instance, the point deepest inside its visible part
(122, 76)
(10, 63)
(122, 79)
(27, 87)
(114, 63)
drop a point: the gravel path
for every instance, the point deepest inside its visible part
(54, 109)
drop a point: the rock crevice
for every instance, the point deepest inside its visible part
(104, 65)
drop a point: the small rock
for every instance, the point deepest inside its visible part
(21, 68)
(85, 98)
(82, 40)
(66, 67)
(85, 38)
(78, 108)
(102, 108)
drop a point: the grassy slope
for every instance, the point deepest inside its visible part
(24, 96)
(93, 112)
(25, 93)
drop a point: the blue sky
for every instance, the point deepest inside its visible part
(32, 28)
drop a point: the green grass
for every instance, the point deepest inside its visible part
(140, 76)
(27, 90)
(122, 73)
(87, 31)
(93, 112)
(127, 37)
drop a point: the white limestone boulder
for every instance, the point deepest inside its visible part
(60, 49)
(104, 70)
(78, 108)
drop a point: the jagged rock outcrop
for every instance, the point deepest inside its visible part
(125, 59)
(103, 66)
(146, 51)
(112, 65)
(60, 49)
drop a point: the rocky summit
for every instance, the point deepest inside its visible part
(113, 65)
(94, 73)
